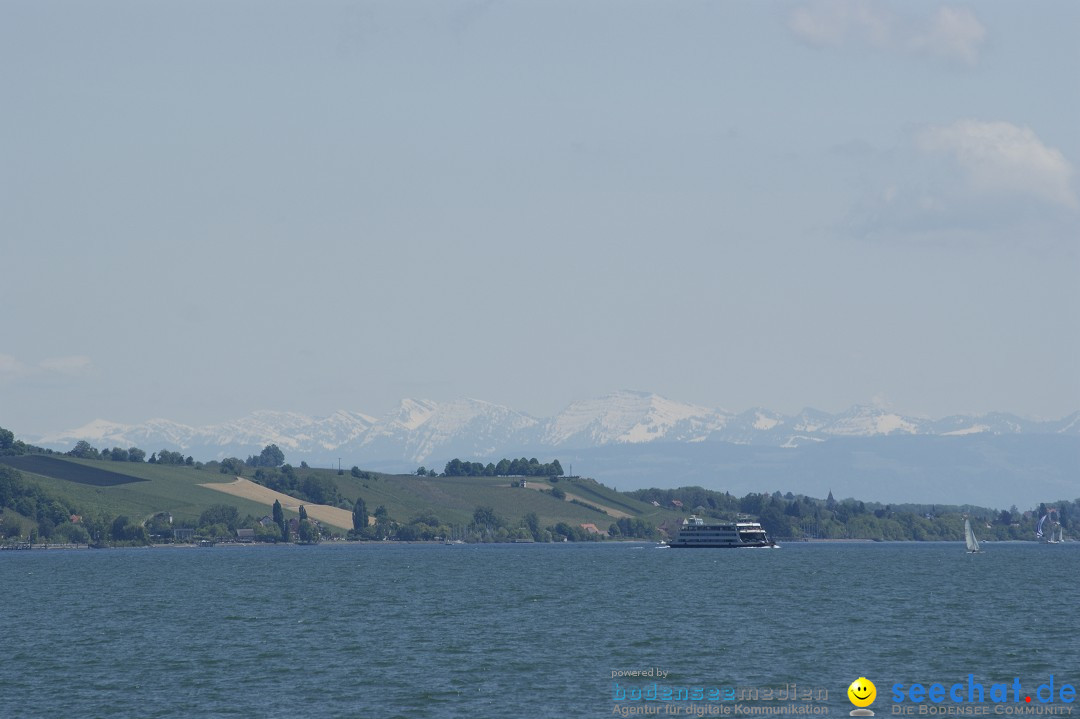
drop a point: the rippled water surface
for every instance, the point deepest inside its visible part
(513, 630)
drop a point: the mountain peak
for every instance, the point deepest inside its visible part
(863, 420)
(96, 429)
(411, 413)
(625, 416)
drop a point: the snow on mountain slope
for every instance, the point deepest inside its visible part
(341, 428)
(870, 421)
(419, 428)
(810, 420)
(288, 430)
(423, 431)
(98, 430)
(285, 429)
(629, 417)
(765, 421)
(973, 429)
(1070, 424)
(103, 433)
(412, 413)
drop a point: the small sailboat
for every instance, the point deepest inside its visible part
(969, 538)
(1049, 539)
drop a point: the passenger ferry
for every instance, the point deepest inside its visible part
(725, 535)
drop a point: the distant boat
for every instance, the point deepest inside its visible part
(1051, 539)
(969, 538)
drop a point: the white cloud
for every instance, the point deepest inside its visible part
(10, 367)
(74, 365)
(971, 183)
(832, 23)
(999, 158)
(952, 33)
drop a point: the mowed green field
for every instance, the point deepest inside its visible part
(176, 489)
(453, 499)
(164, 489)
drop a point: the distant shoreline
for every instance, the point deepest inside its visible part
(239, 545)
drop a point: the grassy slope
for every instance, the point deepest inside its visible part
(452, 499)
(168, 489)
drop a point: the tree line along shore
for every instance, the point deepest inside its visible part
(123, 497)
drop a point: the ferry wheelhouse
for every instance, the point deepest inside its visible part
(725, 535)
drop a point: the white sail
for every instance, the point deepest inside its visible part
(969, 538)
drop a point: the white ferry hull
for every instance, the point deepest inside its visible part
(689, 545)
(696, 534)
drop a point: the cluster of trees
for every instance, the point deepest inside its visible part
(311, 488)
(488, 526)
(505, 468)
(221, 521)
(11, 447)
(127, 531)
(787, 516)
(308, 531)
(31, 501)
(118, 454)
(231, 465)
(632, 528)
(167, 457)
(271, 456)
(383, 527)
(85, 450)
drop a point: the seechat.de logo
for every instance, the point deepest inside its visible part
(862, 693)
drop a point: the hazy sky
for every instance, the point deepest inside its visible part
(213, 207)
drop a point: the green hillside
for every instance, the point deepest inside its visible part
(156, 488)
(140, 490)
(118, 502)
(453, 499)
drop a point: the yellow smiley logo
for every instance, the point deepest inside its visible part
(862, 692)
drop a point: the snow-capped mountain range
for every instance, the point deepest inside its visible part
(422, 431)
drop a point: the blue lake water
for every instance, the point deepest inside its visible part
(393, 630)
